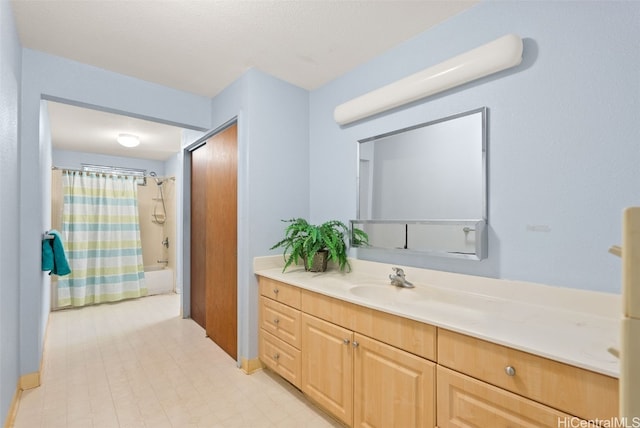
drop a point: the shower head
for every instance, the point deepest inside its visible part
(159, 181)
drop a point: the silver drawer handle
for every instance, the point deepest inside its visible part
(275, 290)
(510, 371)
(276, 356)
(355, 344)
(346, 341)
(276, 321)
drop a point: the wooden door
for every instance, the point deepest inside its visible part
(327, 366)
(392, 388)
(199, 166)
(221, 237)
(214, 238)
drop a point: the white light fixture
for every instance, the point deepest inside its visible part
(498, 55)
(128, 140)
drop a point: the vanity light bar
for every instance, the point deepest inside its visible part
(498, 55)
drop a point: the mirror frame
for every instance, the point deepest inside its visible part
(479, 225)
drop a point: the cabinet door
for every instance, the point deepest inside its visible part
(392, 388)
(327, 366)
(464, 402)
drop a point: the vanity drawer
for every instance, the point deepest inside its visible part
(280, 357)
(467, 402)
(579, 392)
(335, 311)
(412, 336)
(280, 320)
(279, 291)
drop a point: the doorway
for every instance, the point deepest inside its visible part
(214, 243)
(84, 138)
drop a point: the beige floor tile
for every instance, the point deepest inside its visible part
(32, 420)
(137, 364)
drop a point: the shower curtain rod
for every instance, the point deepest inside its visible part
(124, 170)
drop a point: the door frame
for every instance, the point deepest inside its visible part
(186, 224)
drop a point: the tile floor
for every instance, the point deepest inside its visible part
(138, 364)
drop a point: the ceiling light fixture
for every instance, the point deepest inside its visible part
(498, 55)
(128, 140)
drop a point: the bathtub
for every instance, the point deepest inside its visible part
(158, 279)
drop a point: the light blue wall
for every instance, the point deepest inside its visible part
(50, 77)
(45, 199)
(10, 77)
(563, 135)
(273, 183)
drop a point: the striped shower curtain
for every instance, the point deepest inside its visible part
(101, 232)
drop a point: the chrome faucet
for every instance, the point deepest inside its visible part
(399, 280)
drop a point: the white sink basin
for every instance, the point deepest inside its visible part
(389, 293)
(428, 299)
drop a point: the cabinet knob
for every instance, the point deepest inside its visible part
(355, 344)
(276, 356)
(276, 291)
(510, 371)
(346, 341)
(276, 321)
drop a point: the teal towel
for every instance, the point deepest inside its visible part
(53, 256)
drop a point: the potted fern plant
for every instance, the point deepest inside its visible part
(317, 244)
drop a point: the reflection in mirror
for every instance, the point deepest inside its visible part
(423, 188)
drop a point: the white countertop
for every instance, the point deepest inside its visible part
(572, 326)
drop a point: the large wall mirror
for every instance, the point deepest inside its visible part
(424, 188)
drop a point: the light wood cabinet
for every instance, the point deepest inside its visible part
(579, 392)
(279, 319)
(280, 292)
(364, 382)
(280, 357)
(373, 369)
(372, 384)
(412, 336)
(327, 366)
(392, 388)
(464, 402)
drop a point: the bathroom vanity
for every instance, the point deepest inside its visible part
(454, 351)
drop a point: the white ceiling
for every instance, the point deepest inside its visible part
(201, 46)
(91, 131)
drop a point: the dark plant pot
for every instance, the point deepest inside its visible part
(319, 262)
